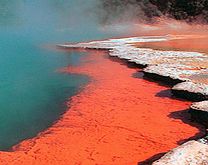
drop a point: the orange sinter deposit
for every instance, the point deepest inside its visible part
(118, 119)
(186, 44)
(186, 37)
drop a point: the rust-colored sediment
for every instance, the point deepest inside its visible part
(117, 119)
(184, 37)
(186, 44)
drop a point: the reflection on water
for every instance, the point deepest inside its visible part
(33, 94)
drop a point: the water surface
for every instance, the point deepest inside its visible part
(33, 94)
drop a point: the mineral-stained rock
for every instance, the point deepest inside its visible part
(200, 106)
(170, 66)
(173, 71)
(190, 153)
(175, 67)
(191, 90)
(199, 112)
(170, 73)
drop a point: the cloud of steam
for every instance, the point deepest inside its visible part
(167, 26)
(126, 11)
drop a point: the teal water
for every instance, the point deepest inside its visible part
(32, 93)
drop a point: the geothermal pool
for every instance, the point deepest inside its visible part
(119, 118)
(33, 93)
(78, 107)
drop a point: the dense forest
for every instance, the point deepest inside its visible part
(189, 10)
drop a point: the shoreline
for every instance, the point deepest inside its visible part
(113, 134)
(183, 87)
(115, 128)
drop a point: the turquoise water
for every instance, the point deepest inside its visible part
(32, 93)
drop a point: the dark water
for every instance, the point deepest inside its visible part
(32, 93)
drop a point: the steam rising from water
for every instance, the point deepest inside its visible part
(165, 26)
(111, 11)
